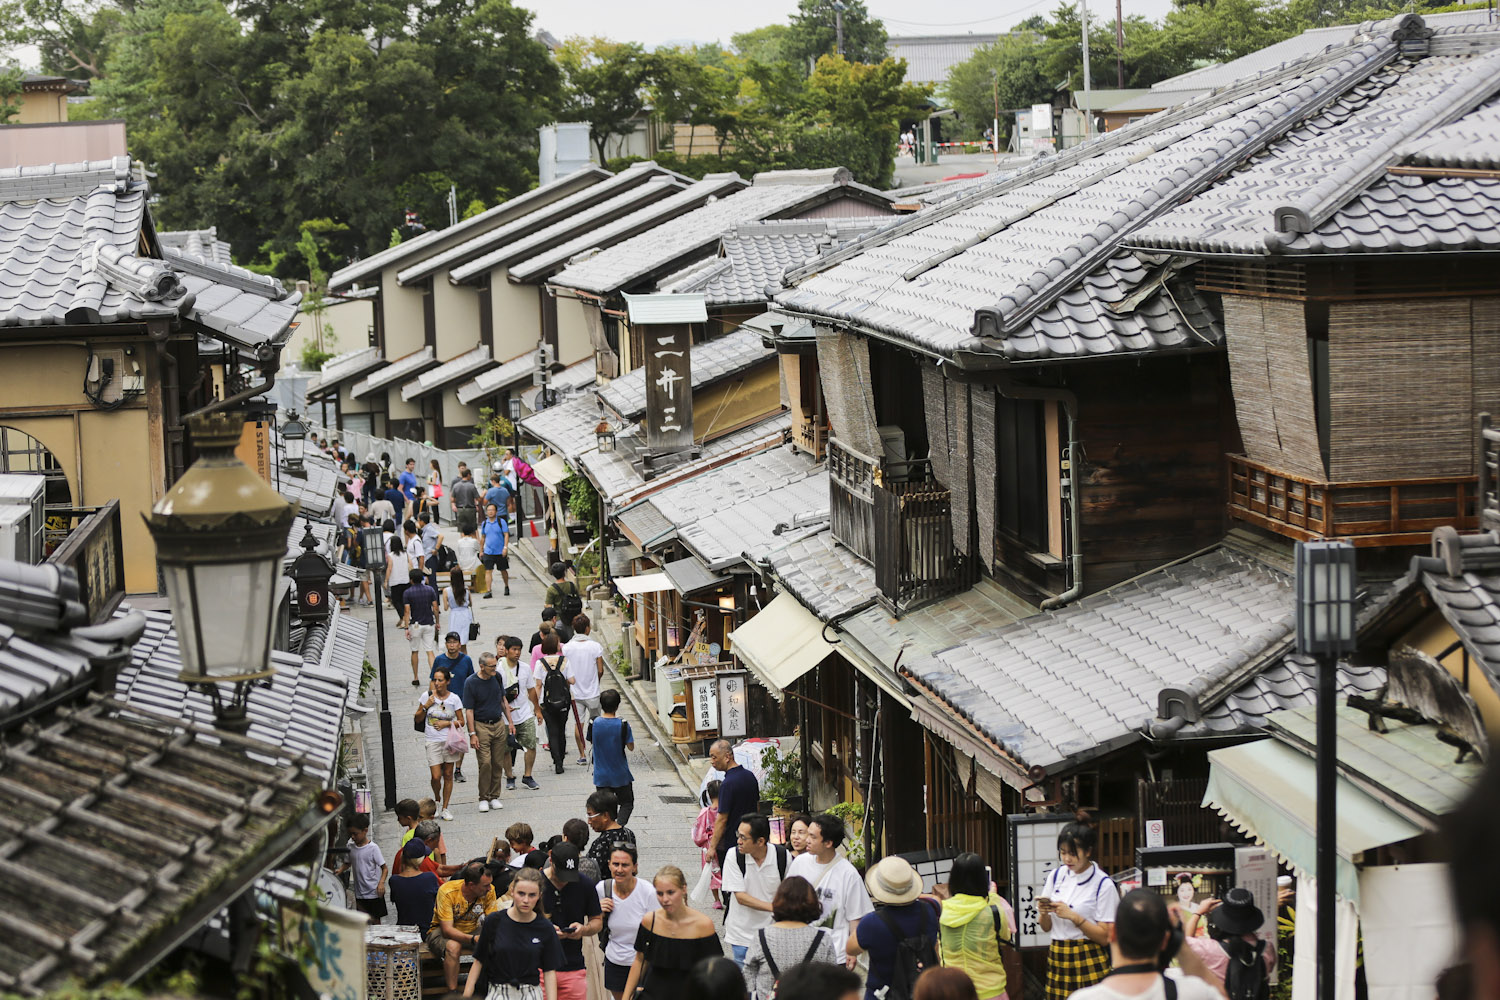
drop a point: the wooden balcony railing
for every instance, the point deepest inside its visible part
(811, 436)
(1384, 512)
(1489, 466)
(916, 562)
(851, 485)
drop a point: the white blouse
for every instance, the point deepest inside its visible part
(1093, 895)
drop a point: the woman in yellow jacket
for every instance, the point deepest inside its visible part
(973, 924)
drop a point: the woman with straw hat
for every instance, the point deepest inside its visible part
(902, 915)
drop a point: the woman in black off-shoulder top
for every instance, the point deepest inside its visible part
(669, 943)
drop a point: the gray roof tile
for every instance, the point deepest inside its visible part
(673, 243)
(494, 379)
(201, 243)
(445, 374)
(712, 360)
(397, 371)
(619, 480)
(350, 364)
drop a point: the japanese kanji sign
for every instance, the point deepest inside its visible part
(669, 387)
(734, 701)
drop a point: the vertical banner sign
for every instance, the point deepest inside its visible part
(734, 701)
(669, 388)
(1033, 854)
(1255, 869)
(704, 696)
(254, 448)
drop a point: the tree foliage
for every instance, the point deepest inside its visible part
(813, 33)
(10, 93)
(606, 86)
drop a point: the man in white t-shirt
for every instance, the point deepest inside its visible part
(585, 667)
(1138, 940)
(523, 708)
(837, 882)
(753, 869)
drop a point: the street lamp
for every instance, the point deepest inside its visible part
(604, 434)
(311, 572)
(220, 535)
(513, 405)
(294, 440)
(372, 545)
(1325, 631)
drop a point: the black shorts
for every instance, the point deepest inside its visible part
(495, 562)
(615, 976)
(374, 907)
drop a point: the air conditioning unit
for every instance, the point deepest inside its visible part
(17, 539)
(26, 493)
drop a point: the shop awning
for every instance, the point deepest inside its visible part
(1268, 790)
(551, 471)
(781, 643)
(645, 583)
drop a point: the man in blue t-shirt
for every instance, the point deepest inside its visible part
(409, 480)
(611, 737)
(739, 795)
(492, 532)
(499, 494)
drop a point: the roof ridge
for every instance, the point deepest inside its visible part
(1287, 110)
(225, 274)
(1353, 175)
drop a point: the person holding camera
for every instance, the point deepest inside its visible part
(1233, 954)
(1143, 940)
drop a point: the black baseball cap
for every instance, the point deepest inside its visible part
(565, 862)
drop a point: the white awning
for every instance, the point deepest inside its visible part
(645, 583)
(781, 643)
(551, 471)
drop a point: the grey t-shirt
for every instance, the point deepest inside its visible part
(464, 495)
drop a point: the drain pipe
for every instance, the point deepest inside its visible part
(1069, 401)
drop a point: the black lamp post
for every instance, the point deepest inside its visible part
(294, 440)
(372, 541)
(220, 535)
(1325, 631)
(311, 572)
(513, 405)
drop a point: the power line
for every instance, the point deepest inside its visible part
(961, 24)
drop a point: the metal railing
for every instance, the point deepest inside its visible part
(1374, 513)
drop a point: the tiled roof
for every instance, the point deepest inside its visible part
(620, 482)
(313, 491)
(1289, 683)
(1031, 267)
(637, 185)
(494, 379)
(299, 709)
(445, 374)
(549, 261)
(1463, 580)
(577, 376)
(725, 512)
(1062, 686)
(201, 243)
(397, 371)
(199, 812)
(753, 257)
(502, 213)
(568, 427)
(248, 308)
(827, 578)
(351, 364)
(1472, 142)
(712, 361)
(1329, 176)
(1158, 98)
(674, 243)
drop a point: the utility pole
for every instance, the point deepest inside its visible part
(838, 26)
(1119, 46)
(1088, 113)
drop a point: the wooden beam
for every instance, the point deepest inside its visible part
(1473, 172)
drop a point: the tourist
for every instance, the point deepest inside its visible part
(428, 829)
(789, 939)
(443, 710)
(975, 921)
(817, 981)
(703, 832)
(1141, 945)
(408, 814)
(739, 795)
(611, 737)
(501, 494)
(466, 553)
(586, 666)
(521, 690)
(549, 621)
(461, 905)
(518, 953)
(396, 575)
(414, 891)
(489, 728)
(753, 868)
(368, 867)
(945, 984)
(563, 594)
(670, 942)
(902, 915)
(716, 978)
(841, 891)
(624, 901)
(796, 836)
(555, 693)
(574, 908)
(520, 838)
(464, 499)
(1233, 924)
(492, 533)
(419, 617)
(408, 480)
(603, 809)
(460, 611)
(1469, 840)
(1077, 905)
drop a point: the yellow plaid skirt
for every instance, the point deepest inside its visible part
(1072, 965)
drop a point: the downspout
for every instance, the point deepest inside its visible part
(1069, 401)
(269, 365)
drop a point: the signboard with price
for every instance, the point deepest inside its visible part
(1033, 854)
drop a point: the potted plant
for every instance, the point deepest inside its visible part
(853, 815)
(783, 784)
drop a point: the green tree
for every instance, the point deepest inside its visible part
(605, 86)
(1007, 72)
(72, 38)
(10, 94)
(683, 88)
(766, 45)
(1222, 30)
(813, 33)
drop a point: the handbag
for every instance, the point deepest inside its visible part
(473, 631)
(420, 723)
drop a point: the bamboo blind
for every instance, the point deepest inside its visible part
(959, 465)
(935, 403)
(1400, 390)
(983, 404)
(844, 366)
(1272, 386)
(1485, 328)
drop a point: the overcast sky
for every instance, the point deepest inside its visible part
(666, 22)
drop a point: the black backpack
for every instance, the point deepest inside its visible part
(765, 950)
(442, 560)
(913, 956)
(1246, 978)
(569, 603)
(783, 858)
(557, 693)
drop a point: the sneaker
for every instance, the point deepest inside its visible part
(447, 815)
(507, 591)
(582, 760)
(415, 682)
(510, 784)
(530, 783)
(488, 596)
(496, 804)
(484, 806)
(459, 776)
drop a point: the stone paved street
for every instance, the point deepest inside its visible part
(665, 808)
